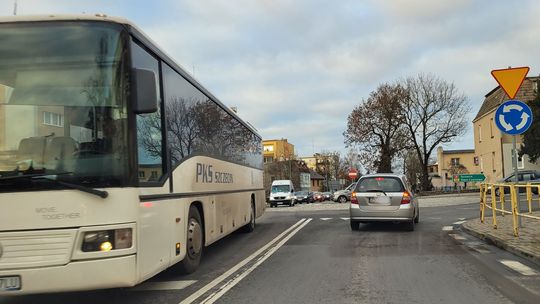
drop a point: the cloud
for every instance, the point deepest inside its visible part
(296, 69)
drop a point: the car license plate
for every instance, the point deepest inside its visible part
(10, 283)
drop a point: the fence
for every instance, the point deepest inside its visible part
(499, 191)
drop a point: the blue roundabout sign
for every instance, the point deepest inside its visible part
(513, 117)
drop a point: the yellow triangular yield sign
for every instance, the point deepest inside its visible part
(510, 79)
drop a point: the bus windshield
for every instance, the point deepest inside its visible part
(62, 104)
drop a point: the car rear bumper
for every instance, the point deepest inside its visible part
(403, 213)
(75, 276)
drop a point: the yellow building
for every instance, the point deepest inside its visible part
(277, 150)
(494, 148)
(452, 162)
(311, 161)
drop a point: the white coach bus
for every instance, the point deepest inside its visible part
(115, 164)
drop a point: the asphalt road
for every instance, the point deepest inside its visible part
(308, 254)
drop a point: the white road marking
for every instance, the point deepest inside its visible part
(434, 218)
(169, 285)
(447, 228)
(229, 285)
(519, 267)
(241, 264)
(459, 223)
(461, 218)
(481, 250)
(345, 218)
(326, 218)
(457, 236)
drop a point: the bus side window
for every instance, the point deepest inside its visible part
(149, 129)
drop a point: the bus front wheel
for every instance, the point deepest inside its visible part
(194, 242)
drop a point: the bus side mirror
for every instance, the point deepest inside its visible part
(143, 91)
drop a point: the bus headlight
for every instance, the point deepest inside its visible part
(107, 240)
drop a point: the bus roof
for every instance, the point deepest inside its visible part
(140, 35)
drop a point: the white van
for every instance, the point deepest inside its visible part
(282, 192)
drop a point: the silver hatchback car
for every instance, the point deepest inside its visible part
(383, 197)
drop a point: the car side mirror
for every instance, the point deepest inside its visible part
(143, 91)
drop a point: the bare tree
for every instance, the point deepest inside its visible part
(376, 126)
(435, 113)
(456, 169)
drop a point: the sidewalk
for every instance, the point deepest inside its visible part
(526, 245)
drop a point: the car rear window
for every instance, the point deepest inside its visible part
(380, 183)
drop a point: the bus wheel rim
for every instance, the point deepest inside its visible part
(194, 237)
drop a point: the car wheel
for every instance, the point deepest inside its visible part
(410, 225)
(342, 199)
(417, 218)
(194, 242)
(355, 226)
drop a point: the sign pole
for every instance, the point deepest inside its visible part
(513, 117)
(516, 177)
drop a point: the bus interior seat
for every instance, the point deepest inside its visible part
(31, 148)
(61, 147)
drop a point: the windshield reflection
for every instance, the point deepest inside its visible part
(62, 103)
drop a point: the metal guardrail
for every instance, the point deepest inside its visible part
(513, 190)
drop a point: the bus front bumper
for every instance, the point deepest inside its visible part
(75, 276)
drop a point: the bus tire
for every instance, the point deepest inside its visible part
(194, 242)
(250, 226)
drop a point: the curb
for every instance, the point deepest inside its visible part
(493, 240)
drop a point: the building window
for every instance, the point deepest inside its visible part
(493, 161)
(455, 161)
(268, 159)
(476, 161)
(268, 148)
(482, 164)
(53, 119)
(154, 175)
(521, 162)
(141, 174)
(491, 127)
(479, 133)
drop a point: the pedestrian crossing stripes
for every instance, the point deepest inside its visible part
(519, 267)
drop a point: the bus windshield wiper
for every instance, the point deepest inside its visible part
(52, 177)
(32, 175)
(376, 190)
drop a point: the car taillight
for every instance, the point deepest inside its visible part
(406, 199)
(354, 200)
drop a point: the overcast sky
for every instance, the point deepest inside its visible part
(295, 69)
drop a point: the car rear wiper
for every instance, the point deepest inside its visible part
(376, 190)
(52, 177)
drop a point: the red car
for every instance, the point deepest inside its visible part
(318, 197)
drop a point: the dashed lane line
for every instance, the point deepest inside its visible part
(447, 228)
(519, 267)
(459, 223)
(326, 218)
(457, 237)
(345, 218)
